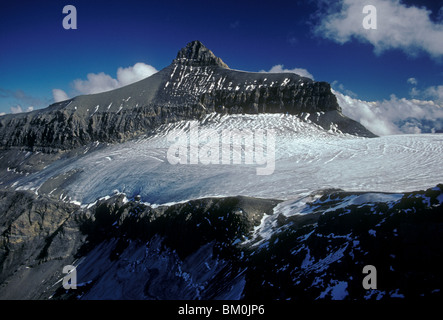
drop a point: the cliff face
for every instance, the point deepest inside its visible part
(195, 84)
(224, 248)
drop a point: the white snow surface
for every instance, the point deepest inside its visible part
(304, 205)
(307, 158)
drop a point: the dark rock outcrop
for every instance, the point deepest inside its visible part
(224, 248)
(40, 235)
(195, 84)
(196, 54)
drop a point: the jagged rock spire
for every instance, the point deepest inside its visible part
(196, 54)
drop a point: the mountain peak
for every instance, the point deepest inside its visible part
(196, 54)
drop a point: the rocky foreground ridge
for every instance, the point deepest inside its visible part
(195, 84)
(224, 248)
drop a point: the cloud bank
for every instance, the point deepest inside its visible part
(394, 116)
(435, 92)
(19, 109)
(101, 82)
(280, 69)
(398, 27)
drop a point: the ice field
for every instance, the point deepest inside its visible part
(306, 158)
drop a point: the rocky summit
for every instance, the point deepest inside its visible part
(194, 85)
(196, 54)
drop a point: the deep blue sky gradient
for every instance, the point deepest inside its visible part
(38, 55)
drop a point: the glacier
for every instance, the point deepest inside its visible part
(307, 158)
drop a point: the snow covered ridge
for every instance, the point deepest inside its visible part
(333, 201)
(227, 248)
(323, 257)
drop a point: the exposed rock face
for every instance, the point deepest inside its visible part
(40, 235)
(195, 84)
(196, 54)
(224, 248)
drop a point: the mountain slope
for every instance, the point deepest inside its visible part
(195, 84)
(305, 249)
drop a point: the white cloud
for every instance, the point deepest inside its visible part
(19, 109)
(435, 92)
(135, 73)
(59, 95)
(393, 116)
(340, 87)
(414, 92)
(2, 114)
(16, 109)
(398, 26)
(412, 81)
(300, 71)
(100, 82)
(95, 83)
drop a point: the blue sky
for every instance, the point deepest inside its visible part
(325, 38)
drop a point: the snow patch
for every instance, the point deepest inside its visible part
(337, 290)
